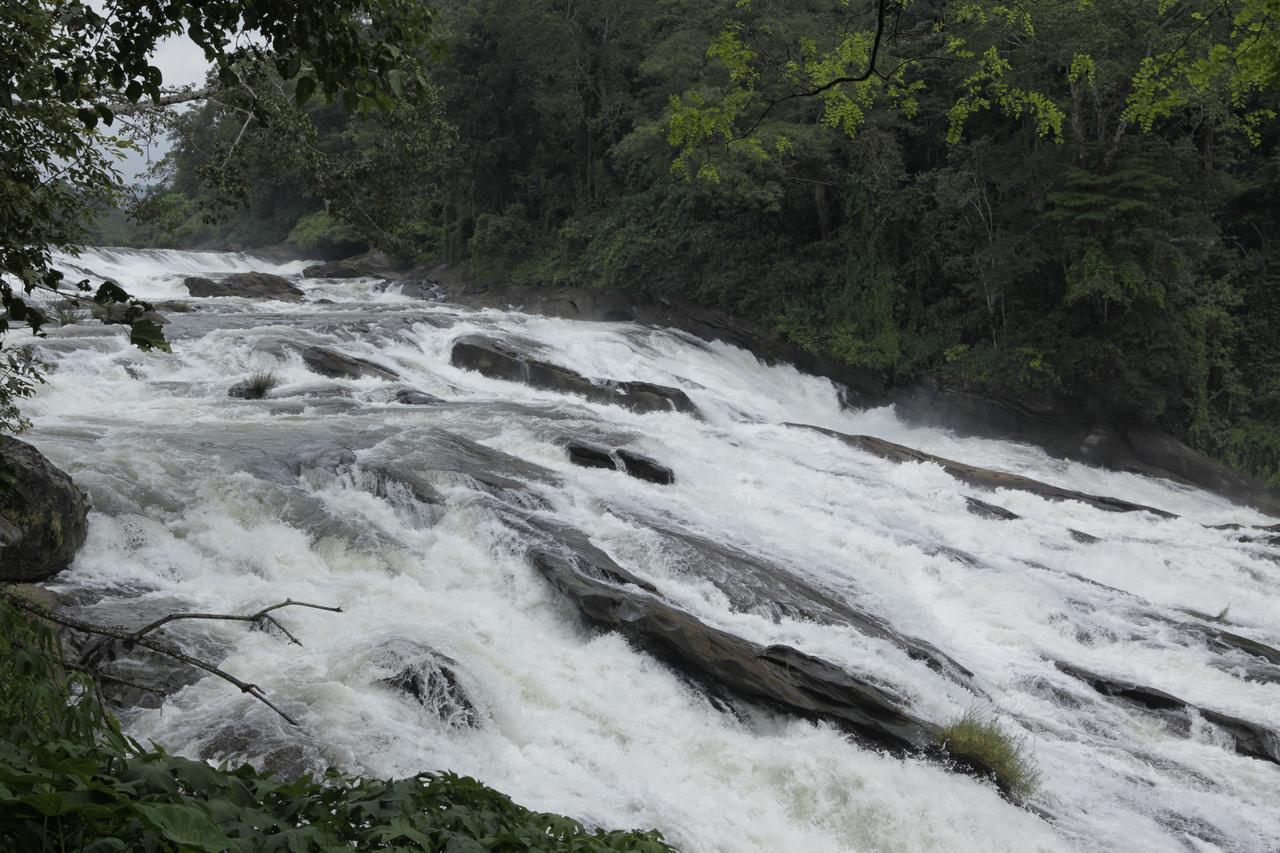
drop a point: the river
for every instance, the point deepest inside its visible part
(207, 502)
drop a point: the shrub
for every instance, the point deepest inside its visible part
(71, 780)
(980, 739)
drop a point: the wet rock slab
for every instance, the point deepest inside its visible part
(611, 597)
(252, 285)
(985, 478)
(1251, 739)
(505, 359)
(331, 363)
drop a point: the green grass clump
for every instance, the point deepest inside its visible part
(258, 384)
(979, 738)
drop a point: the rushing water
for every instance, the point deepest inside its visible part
(196, 507)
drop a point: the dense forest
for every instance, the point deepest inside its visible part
(1000, 203)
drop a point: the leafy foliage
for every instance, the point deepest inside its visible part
(70, 779)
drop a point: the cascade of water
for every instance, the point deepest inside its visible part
(772, 534)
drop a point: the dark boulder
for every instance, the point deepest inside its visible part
(43, 515)
(410, 397)
(591, 456)
(253, 285)
(643, 468)
(373, 264)
(327, 362)
(501, 359)
(198, 285)
(628, 461)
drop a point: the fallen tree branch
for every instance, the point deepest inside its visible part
(139, 638)
(260, 616)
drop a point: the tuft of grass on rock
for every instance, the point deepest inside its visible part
(979, 738)
(256, 386)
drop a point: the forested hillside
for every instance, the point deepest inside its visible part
(1012, 198)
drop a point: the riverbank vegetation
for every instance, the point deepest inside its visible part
(70, 780)
(1036, 200)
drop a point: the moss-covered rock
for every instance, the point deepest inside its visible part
(42, 514)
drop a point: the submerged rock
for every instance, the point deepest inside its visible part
(503, 359)
(985, 478)
(430, 679)
(410, 397)
(43, 514)
(1251, 739)
(328, 362)
(254, 285)
(983, 509)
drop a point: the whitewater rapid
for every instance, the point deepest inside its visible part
(192, 512)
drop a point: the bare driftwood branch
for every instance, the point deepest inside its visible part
(259, 617)
(139, 638)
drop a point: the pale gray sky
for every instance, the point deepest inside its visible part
(182, 63)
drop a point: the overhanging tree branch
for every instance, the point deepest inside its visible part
(171, 99)
(882, 17)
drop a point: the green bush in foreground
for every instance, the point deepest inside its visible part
(71, 780)
(973, 736)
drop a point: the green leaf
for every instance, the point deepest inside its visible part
(152, 777)
(186, 826)
(146, 334)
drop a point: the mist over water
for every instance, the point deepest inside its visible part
(201, 504)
